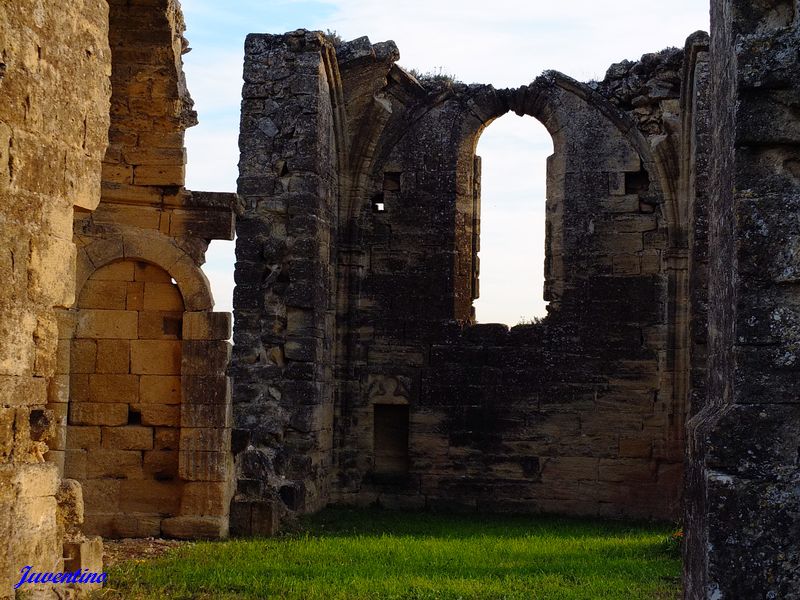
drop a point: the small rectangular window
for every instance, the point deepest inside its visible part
(391, 439)
(391, 182)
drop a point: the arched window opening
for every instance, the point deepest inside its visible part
(511, 230)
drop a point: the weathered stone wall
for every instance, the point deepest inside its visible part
(351, 166)
(124, 423)
(149, 409)
(54, 95)
(285, 253)
(742, 510)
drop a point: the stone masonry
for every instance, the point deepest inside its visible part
(663, 381)
(113, 364)
(360, 376)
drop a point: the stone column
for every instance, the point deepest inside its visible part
(744, 476)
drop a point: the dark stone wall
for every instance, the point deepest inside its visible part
(744, 474)
(285, 256)
(565, 416)
(576, 414)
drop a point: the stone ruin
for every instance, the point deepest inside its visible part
(663, 383)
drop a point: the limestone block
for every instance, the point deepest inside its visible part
(122, 464)
(159, 414)
(83, 437)
(57, 439)
(75, 464)
(113, 356)
(144, 271)
(150, 496)
(45, 338)
(206, 358)
(58, 458)
(7, 418)
(205, 439)
(63, 352)
(113, 388)
(162, 175)
(70, 504)
(119, 324)
(155, 156)
(627, 470)
(253, 518)
(166, 438)
(79, 387)
(206, 390)
(84, 555)
(142, 217)
(206, 415)
(160, 325)
(204, 466)
(570, 468)
(83, 357)
(116, 271)
(205, 224)
(156, 357)
(626, 264)
(205, 498)
(96, 413)
(633, 447)
(191, 527)
(136, 526)
(131, 437)
(206, 326)
(36, 480)
(17, 353)
(162, 296)
(101, 524)
(105, 294)
(51, 271)
(160, 389)
(134, 295)
(161, 465)
(101, 495)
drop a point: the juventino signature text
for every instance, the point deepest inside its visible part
(79, 576)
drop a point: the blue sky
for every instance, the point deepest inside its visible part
(505, 43)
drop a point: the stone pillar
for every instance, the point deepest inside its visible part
(283, 401)
(742, 516)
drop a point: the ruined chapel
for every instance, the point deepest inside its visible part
(664, 382)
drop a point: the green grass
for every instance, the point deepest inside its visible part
(372, 554)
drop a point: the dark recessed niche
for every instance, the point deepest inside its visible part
(391, 181)
(390, 439)
(637, 183)
(134, 417)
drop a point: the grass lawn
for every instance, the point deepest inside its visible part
(375, 554)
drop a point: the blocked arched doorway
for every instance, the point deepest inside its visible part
(123, 427)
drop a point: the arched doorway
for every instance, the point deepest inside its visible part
(124, 418)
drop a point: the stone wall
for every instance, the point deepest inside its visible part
(148, 426)
(742, 509)
(54, 66)
(362, 218)
(125, 388)
(284, 297)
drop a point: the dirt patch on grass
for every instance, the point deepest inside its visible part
(117, 551)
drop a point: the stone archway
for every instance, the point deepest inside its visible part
(123, 431)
